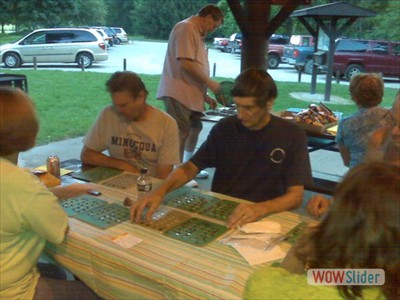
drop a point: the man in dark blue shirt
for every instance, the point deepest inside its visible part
(256, 156)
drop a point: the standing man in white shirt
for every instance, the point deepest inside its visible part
(186, 76)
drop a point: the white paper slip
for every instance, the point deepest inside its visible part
(261, 227)
(256, 256)
(126, 240)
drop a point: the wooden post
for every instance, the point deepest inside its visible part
(299, 72)
(337, 76)
(214, 69)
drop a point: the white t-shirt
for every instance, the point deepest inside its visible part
(147, 143)
(185, 41)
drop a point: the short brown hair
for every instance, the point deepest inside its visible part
(366, 89)
(19, 124)
(126, 81)
(255, 83)
(213, 10)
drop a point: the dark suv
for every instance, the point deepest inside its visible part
(354, 56)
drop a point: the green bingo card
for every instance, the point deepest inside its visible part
(77, 205)
(105, 216)
(122, 181)
(295, 232)
(96, 174)
(196, 231)
(164, 218)
(187, 199)
(219, 210)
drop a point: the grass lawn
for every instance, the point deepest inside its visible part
(69, 102)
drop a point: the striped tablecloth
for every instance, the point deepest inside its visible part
(159, 267)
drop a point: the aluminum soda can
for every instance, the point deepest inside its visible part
(53, 165)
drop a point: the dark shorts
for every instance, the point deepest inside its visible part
(185, 117)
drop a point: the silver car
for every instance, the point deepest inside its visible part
(56, 45)
(121, 34)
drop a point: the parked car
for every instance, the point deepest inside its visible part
(235, 43)
(121, 34)
(222, 44)
(354, 56)
(109, 36)
(107, 39)
(56, 45)
(276, 46)
(299, 52)
(113, 34)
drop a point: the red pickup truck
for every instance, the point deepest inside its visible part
(351, 56)
(276, 43)
(275, 50)
(354, 56)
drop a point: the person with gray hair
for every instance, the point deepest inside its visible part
(186, 76)
(256, 155)
(366, 91)
(135, 134)
(382, 144)
(30, 214)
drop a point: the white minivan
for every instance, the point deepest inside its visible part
(121, 34)
(56, 45)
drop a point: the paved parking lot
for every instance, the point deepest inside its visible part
(146, 57)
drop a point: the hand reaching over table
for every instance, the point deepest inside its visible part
(73, 190)
(211, 102)
(243, 214)
(318, 205)
(151, 201)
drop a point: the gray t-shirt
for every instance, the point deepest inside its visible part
(147, 143)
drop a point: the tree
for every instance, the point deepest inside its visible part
(369, 28)
(34, 14)
(118, 14)
(9, 12)
(4, 13)
(156, 21)
(389, 21)
(45, 13)
(89, 12)
(230, 26)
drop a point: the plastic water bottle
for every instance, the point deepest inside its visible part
(143, 183)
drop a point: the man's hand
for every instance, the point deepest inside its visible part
(243, 214)
(214, 86)
(211, 102)
(318, 205)
(99, 159)
(151, 202)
